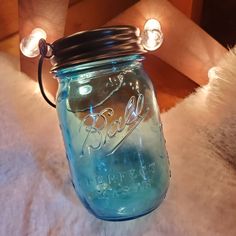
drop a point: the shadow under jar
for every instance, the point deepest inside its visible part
(110, 123)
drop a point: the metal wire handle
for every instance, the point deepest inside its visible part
(43, 49)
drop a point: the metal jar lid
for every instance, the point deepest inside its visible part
(93, 45)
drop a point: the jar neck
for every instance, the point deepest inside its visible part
(93, 68)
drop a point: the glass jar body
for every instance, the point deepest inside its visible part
(113, 137)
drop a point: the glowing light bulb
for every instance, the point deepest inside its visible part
(213, 73)
(29, 45)
(152, 36)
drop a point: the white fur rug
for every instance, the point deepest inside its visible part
(36, 195)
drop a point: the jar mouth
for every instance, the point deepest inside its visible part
(94, 45)
(95, 66)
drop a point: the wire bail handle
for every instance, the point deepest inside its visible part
(44, 48)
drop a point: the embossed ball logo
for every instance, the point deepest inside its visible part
(98, 132)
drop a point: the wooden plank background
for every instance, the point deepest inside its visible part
(78, 17)
(86, 14)
(8, 18)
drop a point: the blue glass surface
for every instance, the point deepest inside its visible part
(113, 137)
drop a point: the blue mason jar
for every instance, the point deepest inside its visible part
(110, 123)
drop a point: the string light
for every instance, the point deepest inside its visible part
(213, 73)
(29, 45)
(152, 36)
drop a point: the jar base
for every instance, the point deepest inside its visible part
(126, 218)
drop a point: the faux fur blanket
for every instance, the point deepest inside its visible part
(36, 195)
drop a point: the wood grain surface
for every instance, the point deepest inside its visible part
(91, 14)
(186, 46)
(191, 8)
(8, 18)
(51, 17)
(89, 10)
